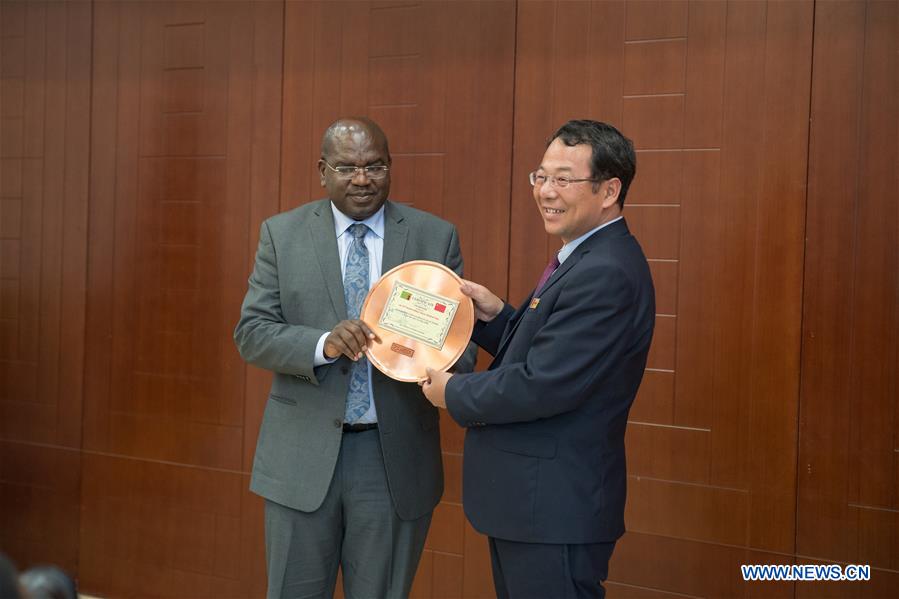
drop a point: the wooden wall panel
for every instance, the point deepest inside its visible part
(437, 76)
(715, 97)
(650, 566)
(167, 234)
(44, 132)
(43, 211)
(568, 62)
(848, 508)
(168, 530)
(141, 147)
(185, 126)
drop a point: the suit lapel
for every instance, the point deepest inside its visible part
(563, 268)
(616, 229)
(519, 315)
(324, 244)
(510, 328)
(395, 233)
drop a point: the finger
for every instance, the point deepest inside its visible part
(332, 352)
(352, 334)
(355, 328)
(369, 333)
(361, 333)
(345, 340)
(352, 348)
(341, 348)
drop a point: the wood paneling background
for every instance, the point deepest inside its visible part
(848, 470)
(142, 143)
(45, 70)
(185, 143)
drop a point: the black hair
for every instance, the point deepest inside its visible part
(613, 153)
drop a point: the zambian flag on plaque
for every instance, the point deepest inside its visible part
(405, 295)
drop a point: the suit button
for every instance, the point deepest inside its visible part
(338, 423)
(344, 370)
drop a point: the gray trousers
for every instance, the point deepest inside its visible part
(356, 528)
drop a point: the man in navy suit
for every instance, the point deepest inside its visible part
(544, 469)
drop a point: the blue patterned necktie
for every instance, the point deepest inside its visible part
(355, 288)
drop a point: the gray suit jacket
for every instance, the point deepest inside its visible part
(295, 295)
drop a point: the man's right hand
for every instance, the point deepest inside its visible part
(486, 305)
(349, 338)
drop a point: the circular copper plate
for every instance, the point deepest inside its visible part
(401, 357)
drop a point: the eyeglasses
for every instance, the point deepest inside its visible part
(539, 179)
(348, 172)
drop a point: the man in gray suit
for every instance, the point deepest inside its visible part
(348, 460)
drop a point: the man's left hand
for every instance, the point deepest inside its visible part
(435, 387)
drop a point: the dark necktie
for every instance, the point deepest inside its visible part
(550, 269)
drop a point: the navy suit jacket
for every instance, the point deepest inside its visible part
(544, 448)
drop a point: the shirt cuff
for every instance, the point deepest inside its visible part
(320, 359)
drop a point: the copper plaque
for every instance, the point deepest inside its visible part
(422, 318)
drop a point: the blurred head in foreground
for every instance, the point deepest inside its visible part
(47, 582)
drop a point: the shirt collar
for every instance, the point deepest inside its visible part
(569, 247)
(342, 222)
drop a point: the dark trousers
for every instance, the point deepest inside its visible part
(549, 571)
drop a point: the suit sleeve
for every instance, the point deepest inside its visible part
(263, 337)
(580, 344)
(489, 335)
(453, 260)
